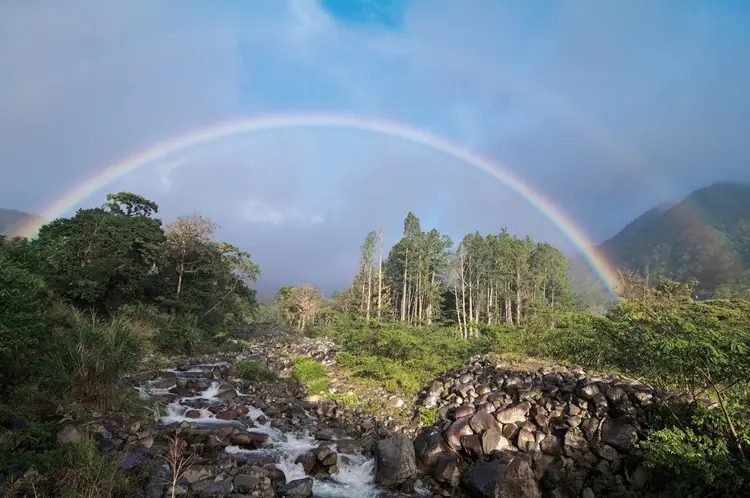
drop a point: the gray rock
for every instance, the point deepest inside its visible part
(501, 479)
(493, 440)
(395, 460)
(513, 414)
(428, 445)
(218, 489)
(68, 434)
(620, 433)
(481, 421)
(244, 483)
(299, 488)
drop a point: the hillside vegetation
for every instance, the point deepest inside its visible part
(111, 290)
(705, 237)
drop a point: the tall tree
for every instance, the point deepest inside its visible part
(188, 238)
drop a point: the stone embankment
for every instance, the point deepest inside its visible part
(550, 432)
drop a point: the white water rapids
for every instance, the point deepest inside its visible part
(355, 475)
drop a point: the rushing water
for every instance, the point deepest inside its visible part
(355, 475)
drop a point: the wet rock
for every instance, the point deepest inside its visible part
(501, 479)
(299, 488)
(193, 414)
(307, 460)
(248, 439)
(395, 460)
(134, 458)
(244, 483)
(219, 489)
(348, 446)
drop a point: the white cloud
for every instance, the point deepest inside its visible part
(257, 211)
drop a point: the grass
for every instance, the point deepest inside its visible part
(305, 369)
(252, 370)
(318, 386)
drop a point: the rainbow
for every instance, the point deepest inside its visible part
(161, 150)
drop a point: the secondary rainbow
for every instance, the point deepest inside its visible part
(162, 150)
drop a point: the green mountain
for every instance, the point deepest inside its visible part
(11, 220)
(706, 236)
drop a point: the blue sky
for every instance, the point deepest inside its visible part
(608, 108)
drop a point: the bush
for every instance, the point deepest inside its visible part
(696, 459)
(92, 354)
(305, 369)
(252, 370)
(21, 322)
(428, 416)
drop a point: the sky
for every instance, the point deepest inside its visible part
(606, 108)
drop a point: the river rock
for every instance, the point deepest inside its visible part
(492, 440)
(428, 445)
(299, 488)
(482, 420)
(395, 460)
(446, 469)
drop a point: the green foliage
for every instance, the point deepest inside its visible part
(428, 416)
(695, 460)
(705, 237)
(92, 353)
(21, 320)
(305, 369)
(84, 472)
(252, 370)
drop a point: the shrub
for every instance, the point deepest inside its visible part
(252, 370)
(21, 321)
(428, 416)
(92, 354)
(305, 369)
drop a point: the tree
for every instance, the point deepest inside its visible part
(188, 241)
(104, 256)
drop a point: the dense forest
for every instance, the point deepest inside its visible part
(112, 290)
(706, 236)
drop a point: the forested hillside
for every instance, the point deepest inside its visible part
(706, 237)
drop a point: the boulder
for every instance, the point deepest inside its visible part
(481, 421)
(619, 432)
(501, 479)
(513, 414)
(457, 429)
(299, 488)
(395, 460)
(492, 440)
(428, 445)
(446, 469)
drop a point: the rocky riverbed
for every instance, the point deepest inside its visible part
(498, 431)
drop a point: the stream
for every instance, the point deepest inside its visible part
(354, 476)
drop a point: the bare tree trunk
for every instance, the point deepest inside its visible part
(518, 295)
(489, 305)
(403, 294)
(380, 272)
(458, 312)
(362, 308)
(369, 288)
(463, 301)
(179, 277)
(508, 308)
